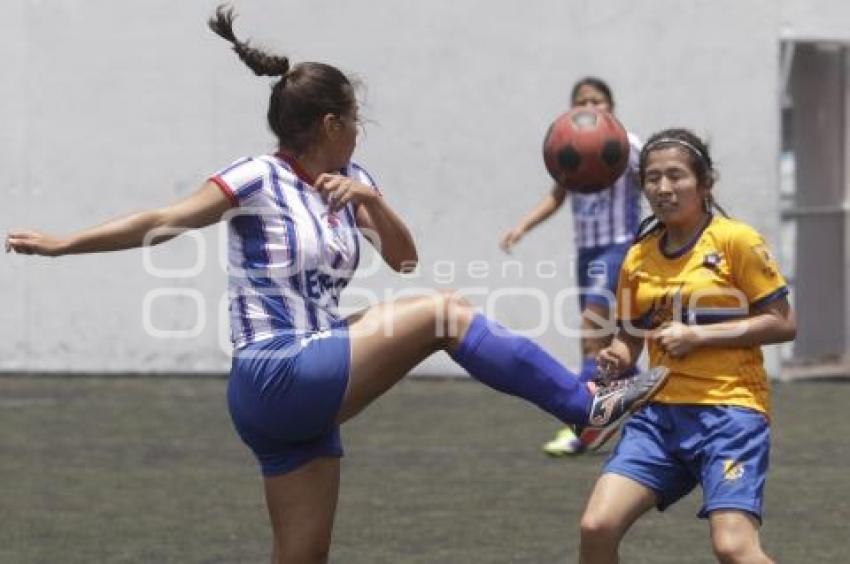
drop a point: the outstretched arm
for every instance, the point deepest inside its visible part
(150, 227)
(541, 212)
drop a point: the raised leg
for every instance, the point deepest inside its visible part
(390, 339)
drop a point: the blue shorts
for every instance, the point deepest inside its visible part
(597, 271)
(672, 448)
(284, 394)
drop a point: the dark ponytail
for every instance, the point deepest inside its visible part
(301, 98)
(261, 63)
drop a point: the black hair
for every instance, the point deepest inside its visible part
(699, 160)
(303, 95)
(596, 83)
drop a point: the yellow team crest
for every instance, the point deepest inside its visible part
(732, 470)
(769, 266)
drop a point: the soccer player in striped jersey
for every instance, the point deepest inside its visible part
(299, 370)
(604, 225)
(704, 292)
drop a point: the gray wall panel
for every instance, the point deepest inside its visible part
(117, 106)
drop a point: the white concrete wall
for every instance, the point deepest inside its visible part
(111, 107)
(818, 21)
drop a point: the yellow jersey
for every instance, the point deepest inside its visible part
(724, 273)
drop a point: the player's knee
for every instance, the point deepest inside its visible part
(733, 548)
(454, 313)
(728, 552)
(452, 299)
(599, 530)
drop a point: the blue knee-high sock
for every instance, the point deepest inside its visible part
(588, 369)
(516, 365)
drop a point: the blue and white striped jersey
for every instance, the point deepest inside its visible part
(289, 258)
(612, 215)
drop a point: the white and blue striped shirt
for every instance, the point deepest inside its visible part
(610, 216)
(289, 258)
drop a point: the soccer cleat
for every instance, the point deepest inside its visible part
(565, 443)
(613, 403)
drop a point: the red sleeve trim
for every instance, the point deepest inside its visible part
(227, 190)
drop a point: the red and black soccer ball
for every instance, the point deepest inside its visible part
(586, 150)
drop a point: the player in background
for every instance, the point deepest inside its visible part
(299, 370)
(704, 292)
(604, 224)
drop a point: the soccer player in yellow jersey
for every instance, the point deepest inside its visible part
(704, 292)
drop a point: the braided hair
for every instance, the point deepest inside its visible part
(303, 94)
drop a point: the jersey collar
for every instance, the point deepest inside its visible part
(678, 253)
(302, 174)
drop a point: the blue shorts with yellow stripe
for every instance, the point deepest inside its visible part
(672, 448)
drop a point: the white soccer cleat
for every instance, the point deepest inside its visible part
(565, 443)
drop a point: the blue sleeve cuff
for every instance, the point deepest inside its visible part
(771, 297)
